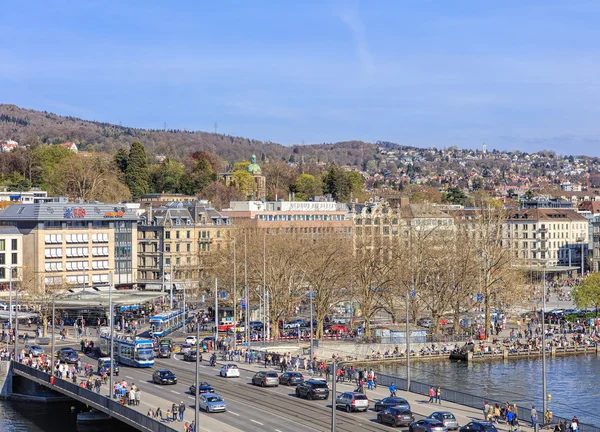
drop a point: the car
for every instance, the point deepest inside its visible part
(183, 348)
(291, 378)
(203, 387)
(67, 355)
(352, 401)
(395, 416)
(104, 362)
(191, 356)
(211, 402)
(166, 342)
(389, 402)
(313, 389)
(427, 425)
(256, 325)
(229, 371)
(163, 352)
(447, 418)
(34, 350)
(293, 324)
(478, 426)
(266, 379)
(164, 376)
(191, 340)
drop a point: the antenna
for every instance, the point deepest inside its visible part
(165, 126)
(216, 126)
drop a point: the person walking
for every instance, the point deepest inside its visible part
(181, 410)
(486, 411)
(174, 411)
(533, 414)
(438, 395)
(392, 389)
(431, 394)
(510, 420)
(575, 424)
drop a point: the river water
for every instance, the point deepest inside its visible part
(57, 417)
(573, 382)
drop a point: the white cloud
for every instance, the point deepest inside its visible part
(352, 19)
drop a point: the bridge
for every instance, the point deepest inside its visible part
(95, 400)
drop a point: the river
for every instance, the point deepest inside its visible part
(29, 417)
(573, 382)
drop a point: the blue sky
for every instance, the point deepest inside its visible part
(513, 74)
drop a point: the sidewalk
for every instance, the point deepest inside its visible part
(419, 403)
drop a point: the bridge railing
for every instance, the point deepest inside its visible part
(118, 410)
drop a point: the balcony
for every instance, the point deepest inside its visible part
(543, 230)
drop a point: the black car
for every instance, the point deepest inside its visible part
(203, 387)
(191, 356)
(478, 426)
(313, 389)
(164, 376)
(291, 378)
(163, 352)
(390, 402)
(67, 355)
(395, 417)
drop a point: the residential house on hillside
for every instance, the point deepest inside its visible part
(9, 145)
(70, 145)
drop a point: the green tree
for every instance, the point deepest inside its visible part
(244, 182)
(337, 183)
(307, 186)
(121, 158)
(587, 293)
(456, 195)
(137, 174)
(201, 176)
(44, 161)
(167, 176)
(241, 166)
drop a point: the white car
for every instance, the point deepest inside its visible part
(230, 371)
(190, 340)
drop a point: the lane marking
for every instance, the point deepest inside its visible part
(254, 421)
(173, 391)
(127, 376)
(235, 414)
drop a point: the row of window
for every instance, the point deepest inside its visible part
(14, 258)
(301, 217)
(75, 238)
(76, 252)
(188, 247)
(76, 266)
(14, 244)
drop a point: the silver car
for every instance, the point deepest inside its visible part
(352, 401)
(266, 379)
(445, 417)
(211, 402)
(34, 349)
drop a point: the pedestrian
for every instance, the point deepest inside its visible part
(575, 424)
(150, 413)
(496, 413)
(486, 410)
(186, 427)
(138, 396)
(181, 410)
(158, 413)
(533, 414)
(392, 389)
(438, 395)
(431, 394)
(510, 420)
(548, 417)
(174, 410)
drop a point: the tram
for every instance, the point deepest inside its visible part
(167, 322)
(128, 350)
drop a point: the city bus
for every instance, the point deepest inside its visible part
(130, 351)
(166, 322)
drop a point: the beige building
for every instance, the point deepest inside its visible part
(174, 238)
(11, 255)
(549, 237)
(76, 244)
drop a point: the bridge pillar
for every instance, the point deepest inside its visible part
(5, 379)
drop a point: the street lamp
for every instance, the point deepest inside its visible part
(543, 340)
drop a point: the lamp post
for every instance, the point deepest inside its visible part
(53, 321)
(312, 343)
(543, 341)
(234, 299)
(407, 344)
(197, 391)
(333, 395)
(216, 311)
(111, 318)
(171, 288)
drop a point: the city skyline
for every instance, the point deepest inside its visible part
(519, 75)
